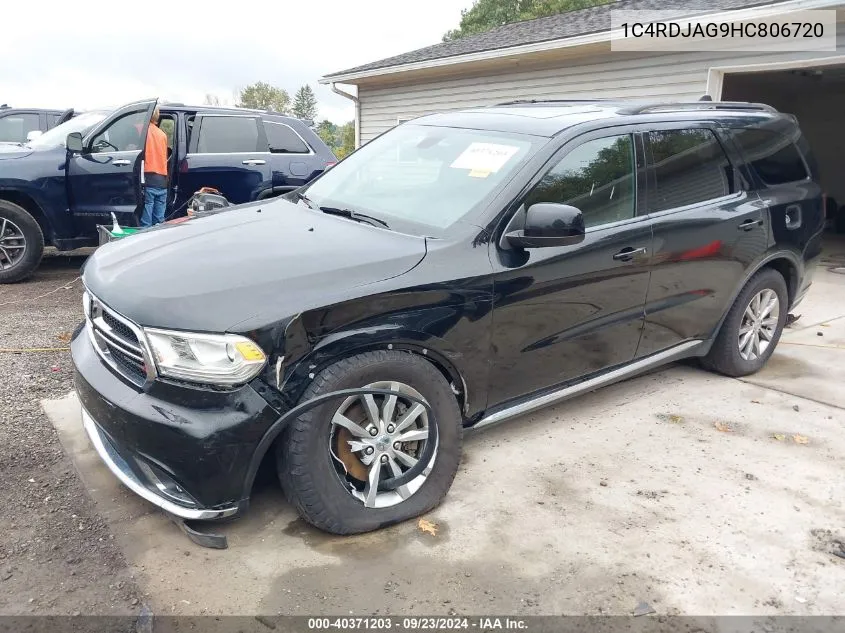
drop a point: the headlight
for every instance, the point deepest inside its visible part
(217, 359)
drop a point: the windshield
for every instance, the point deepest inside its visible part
(432, 176)
(58, 135)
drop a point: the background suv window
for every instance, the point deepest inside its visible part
(283, 140)
(15, 127)
(227, 135)
(687, 167)
(775, 159)
(596, 177)
(122, 135)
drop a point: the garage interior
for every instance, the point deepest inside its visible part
(816, 95)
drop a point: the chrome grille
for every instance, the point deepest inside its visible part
(118, 341)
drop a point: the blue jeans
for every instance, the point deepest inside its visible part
(154, 203)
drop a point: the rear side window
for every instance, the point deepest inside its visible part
(774, 157)
(227, 135)
(687, 167)
(283, 140)
(15, 127)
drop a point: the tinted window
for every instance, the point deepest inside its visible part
(688, 166)
(775, 159)
(15, 127)
(283, 139)
(227, 135)
(123, 134)
(596, 177)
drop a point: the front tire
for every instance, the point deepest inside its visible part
(331, 471)
(753, 327)
(21, 243)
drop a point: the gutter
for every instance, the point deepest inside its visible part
(750, 13)
(357, 103)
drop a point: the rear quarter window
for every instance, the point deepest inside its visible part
(282, 139)
(776, 159)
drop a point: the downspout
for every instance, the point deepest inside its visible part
(357, 103)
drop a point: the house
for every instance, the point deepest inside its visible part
(569, 56)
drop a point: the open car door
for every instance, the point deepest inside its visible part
(107, 176)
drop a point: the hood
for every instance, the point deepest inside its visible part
(273, 259)
(13, 150)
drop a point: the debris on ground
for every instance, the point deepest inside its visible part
(64, 337)
(756, 402)
(723, 427)
(790, 319)
(750, 477)
(643, 608)
(674, 418)
(819, 334)
(780, 437)
(603, 483)
(795, 407)
(427, 526)
(800, 439)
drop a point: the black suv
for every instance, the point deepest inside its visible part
(457, 271)
(57, 188)
(19, 125)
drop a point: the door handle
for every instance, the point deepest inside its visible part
(750, 224)
(253, 161)
(121, 162)
(628, 253)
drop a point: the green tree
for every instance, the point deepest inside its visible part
(488, 14)
(347, 141)
(305, 103)
(263, 96)
(328, 131)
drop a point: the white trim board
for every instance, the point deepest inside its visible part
(716, 74)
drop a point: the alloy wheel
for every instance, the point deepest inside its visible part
(12, 244)
(374, 438)
(759, 324)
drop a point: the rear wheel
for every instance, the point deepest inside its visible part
(21, 243)
(336, 461)
(752, 328)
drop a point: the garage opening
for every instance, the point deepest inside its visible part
(816, 95)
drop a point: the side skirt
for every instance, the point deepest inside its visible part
(684, 350)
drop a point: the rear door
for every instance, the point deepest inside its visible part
(293, 162)
(708, 230)
(228, 152)
(108, 175)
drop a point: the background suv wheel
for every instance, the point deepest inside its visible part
(21, 243)
(752, 328)
(332, 459)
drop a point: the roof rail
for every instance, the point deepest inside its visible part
(697, 105)
(520, 101)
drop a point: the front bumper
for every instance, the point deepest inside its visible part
(186, 449)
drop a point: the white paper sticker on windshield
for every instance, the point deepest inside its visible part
(485, 157)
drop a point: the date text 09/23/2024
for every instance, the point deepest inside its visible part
(477, 623)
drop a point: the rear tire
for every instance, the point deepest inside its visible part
(308, 462)
(734, 353)
(18, 232)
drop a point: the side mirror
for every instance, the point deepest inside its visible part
(74, 142)
(33, 134)
(549, 224)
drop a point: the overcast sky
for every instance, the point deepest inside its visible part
(98, 53)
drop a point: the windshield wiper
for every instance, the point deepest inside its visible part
(304, 198)
(354, 215)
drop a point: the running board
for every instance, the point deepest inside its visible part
(637, 367)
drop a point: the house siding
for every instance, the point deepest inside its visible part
(658, 76)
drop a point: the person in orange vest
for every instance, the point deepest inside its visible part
(155, 173)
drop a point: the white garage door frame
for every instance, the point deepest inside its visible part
(716, 74)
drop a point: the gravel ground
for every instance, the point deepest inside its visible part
(57, 555)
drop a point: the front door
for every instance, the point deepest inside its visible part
(228, 152)
(561, 313)
(708, 230)
(107, 175)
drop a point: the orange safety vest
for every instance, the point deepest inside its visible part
(155, 154)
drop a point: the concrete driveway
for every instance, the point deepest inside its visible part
(695, 493)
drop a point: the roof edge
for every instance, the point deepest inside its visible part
(596, 37)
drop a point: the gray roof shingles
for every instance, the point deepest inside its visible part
(553, 27)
